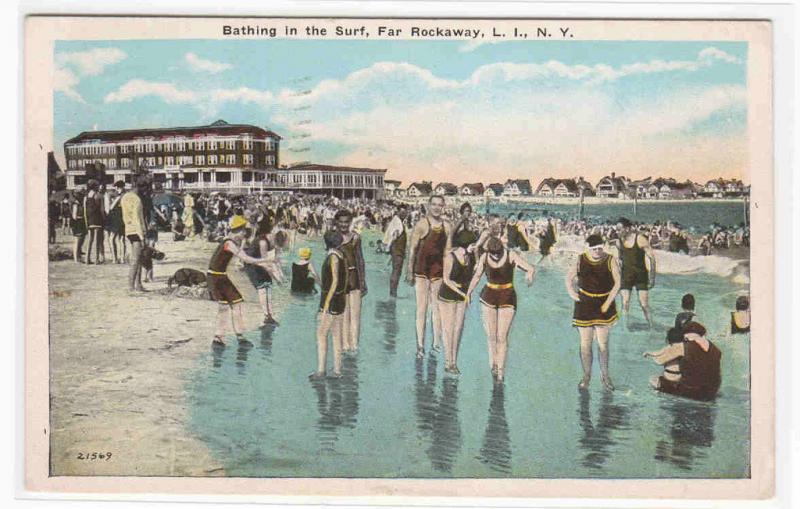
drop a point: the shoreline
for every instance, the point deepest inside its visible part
(118, 380)
(543, 200)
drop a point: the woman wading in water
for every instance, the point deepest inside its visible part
(459, 265)
(498, 298)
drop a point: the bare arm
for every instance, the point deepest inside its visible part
(313, 272)
(649, 259)
(523, 264)
(570, 279)
(416, 235)
(334, 284)
(666, 354)
(477, 276)
(615, 274)
(362, 280)
(239, 253)
(448, 267)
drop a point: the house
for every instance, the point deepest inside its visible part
(390, 187)
(446, 189)
(612, 186)
(471, 189)
(547, 187)
(493, 190)
(566, 188)
(663, 188)
(719, 188)
(418, 189)
(518, 187)
(569, 188)
(639, 188)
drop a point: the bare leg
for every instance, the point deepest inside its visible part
(644, 301)
(587, 334)
(76, 251)
(447, 316)
(269, 300)
(354, 303)
(461, 310)
(337, 344)
(237, 318)
(325, 322)
(433, 292)
(264, 301)
(421, 287)
(134, 277)
(346, 325)
(505, 317)
(92, 242)
(490, 325)
(222, 318)
(602, 333)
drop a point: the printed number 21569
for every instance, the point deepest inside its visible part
(94, 456)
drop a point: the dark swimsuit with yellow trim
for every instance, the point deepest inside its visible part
(220, 287)
(499, 290)
(461, 275)
(595, 281)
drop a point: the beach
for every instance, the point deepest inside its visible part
(117, 374)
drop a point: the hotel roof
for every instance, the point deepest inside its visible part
(220, 127)
(325, 167)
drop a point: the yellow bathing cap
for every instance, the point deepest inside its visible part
(238, 222)
(304, 253)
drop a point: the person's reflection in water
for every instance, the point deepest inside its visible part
(329, 405)
(446, 439)
(386, 315)
(496, 449)
(348, 386)
(691, 432)
(425, 395)
(241, 356)
(217, 353)
(266, 340)
(598, 439)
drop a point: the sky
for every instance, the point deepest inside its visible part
(432, 110)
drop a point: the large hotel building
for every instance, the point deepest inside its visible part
(218, 157)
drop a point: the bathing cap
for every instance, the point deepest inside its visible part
(304, 253)
(238, 222)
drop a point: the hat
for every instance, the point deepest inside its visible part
(238, 222)
(304, 253)
(694, 327)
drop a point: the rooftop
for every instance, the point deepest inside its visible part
(219, 127)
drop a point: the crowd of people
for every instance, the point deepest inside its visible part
(445, 252)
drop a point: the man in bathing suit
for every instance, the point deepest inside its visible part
(638, 269)
(429, 241)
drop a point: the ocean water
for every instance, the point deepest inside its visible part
(695, 215)
(393, 416)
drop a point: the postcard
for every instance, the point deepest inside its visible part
(399, 257)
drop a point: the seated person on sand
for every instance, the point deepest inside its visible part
(698, 365)
(740, 319)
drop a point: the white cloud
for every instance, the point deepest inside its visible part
(93, 62)
(64, 81)
(208, 101)
(201, 65)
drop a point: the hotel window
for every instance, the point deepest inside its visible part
(199, 145)
(230, 159)
(199, 160)
(186, 160)
(123, 149)
(212, 145)
(73, 164)
(223, 177)
(125, 162)
(326, 179)
(189, 145)
(141, 161)
(247, 159)
(312, 179)
(112, 163)
(212, 159)
(170, 160)
(169, 146)
(230, 144)
(181, 146)
(270, 160)
(160, 161)
(151, 147)
(247, 143)
(151, 161)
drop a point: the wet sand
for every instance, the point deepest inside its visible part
(119, 362)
